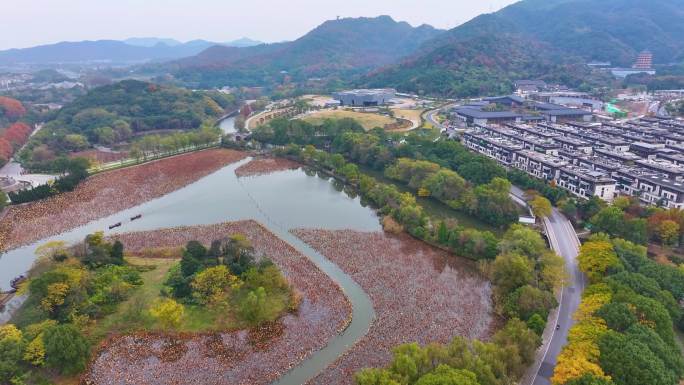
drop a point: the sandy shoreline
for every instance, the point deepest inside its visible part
(263, 166)
(108, 193)
(228, 358)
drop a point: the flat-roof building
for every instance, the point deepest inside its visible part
(365, 97)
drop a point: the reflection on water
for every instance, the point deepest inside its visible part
(227, 125)
(282, 201)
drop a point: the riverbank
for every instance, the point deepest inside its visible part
(420, 294)
(107, 193)
(232, 357)
(267, 165)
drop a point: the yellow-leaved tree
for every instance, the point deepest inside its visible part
(596, 257)
(212, 286)
(168, 312)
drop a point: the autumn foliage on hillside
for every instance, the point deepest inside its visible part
(12, 139)
(11, 109)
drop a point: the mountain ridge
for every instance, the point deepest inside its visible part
(130, 50)
(342, 47)
(550, 40)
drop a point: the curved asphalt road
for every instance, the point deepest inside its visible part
(565, 243)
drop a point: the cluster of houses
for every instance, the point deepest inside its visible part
(643, 158)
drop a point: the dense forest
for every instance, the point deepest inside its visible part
(116, 113)
(550, 40)
(485, 65)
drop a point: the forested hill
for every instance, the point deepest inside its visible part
(145, 106)
(606, 30)
(551, 39)
(115, 113)
(338, 48)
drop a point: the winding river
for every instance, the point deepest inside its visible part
(281, 201)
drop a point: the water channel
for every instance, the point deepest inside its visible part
(281, 201)
(227, 125)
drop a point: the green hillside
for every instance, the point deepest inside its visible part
(550, 39)
(338, 48)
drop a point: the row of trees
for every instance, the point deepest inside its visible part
(153, 144)
(489, 202)
(116, 113)
(624, 331)
(227, 276)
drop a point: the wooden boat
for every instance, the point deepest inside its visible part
(115, 225)
(136, 217)
(17, 281)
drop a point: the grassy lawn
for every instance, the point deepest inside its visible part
(412, 115)
(132, 315)
(367, 120)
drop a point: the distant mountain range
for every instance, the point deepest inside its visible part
(152, 41)
(549, 39)
(339, 48)
(546, 39)
(134, 50)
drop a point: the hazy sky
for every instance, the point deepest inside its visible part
(32, 22)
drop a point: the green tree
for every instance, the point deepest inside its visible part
(66, 349)
(618, 316)
(445, 375)
(523, 240)
(253, 307)
(630, 362)
(520, 342)
(536, 323)
(375, 377)
(12, 348)
(541, 206)
(442, 233)
(511, 271)
(4, 200)
(670, 355)
(528, 300)
(194, 255)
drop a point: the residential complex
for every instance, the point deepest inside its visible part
(643, 158)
